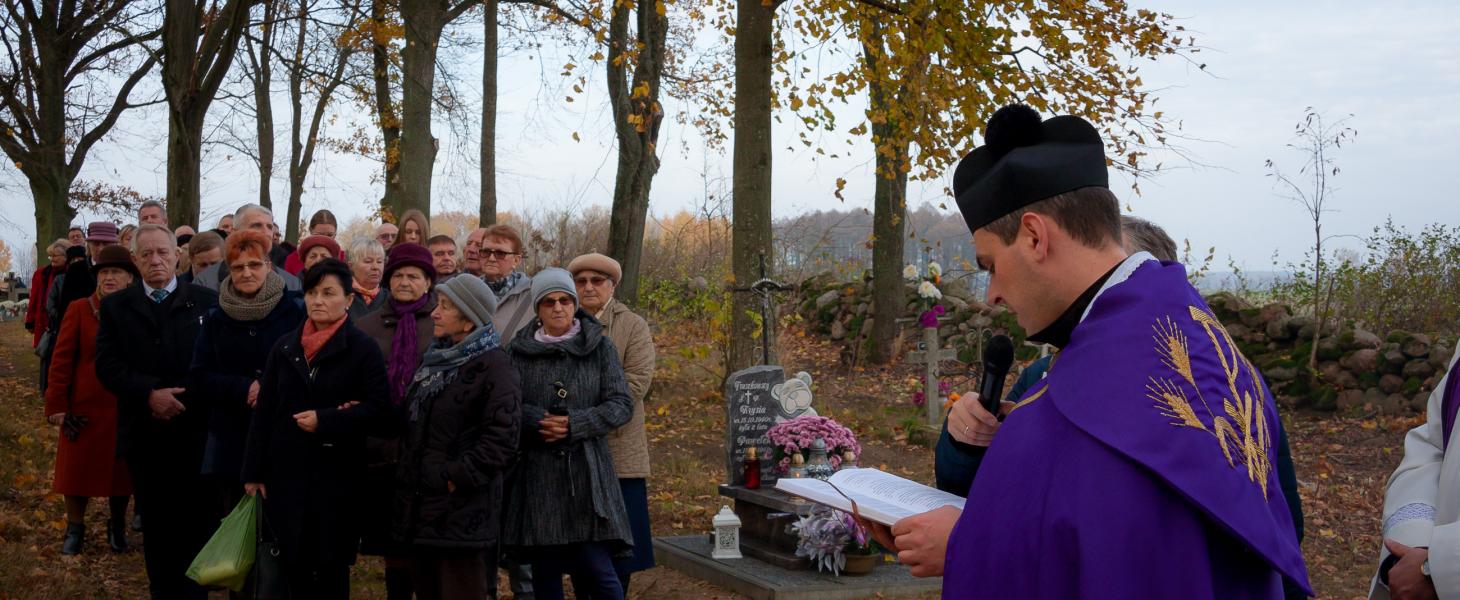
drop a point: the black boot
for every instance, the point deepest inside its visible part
(75, 535)
(116, 533)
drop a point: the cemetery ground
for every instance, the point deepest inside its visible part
(1342, 461)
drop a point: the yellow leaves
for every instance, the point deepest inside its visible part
(641, 90)
(597, 56)
(841, 184)
(575, 137)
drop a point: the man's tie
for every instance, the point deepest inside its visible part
(159, 295)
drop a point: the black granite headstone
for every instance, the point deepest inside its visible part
(750, 411)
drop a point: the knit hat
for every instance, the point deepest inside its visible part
(75, 252)
(102, 231)
(472, 297)
(116, 257)
(407, 255)
(552, 280)
(314, 241)
(597, 262)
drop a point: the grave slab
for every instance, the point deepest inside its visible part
(690, 554)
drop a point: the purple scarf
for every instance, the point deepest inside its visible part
(405, 355)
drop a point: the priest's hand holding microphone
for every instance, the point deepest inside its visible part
(921, 541)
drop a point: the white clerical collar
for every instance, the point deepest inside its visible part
(169, 288)
(1122, 273)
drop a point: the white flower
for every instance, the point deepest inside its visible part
(910, 272)
(935, 269)
(927, 290)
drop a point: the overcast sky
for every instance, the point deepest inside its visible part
(1391, 65)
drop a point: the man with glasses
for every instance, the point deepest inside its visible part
(501, 255)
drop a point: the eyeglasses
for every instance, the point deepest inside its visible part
(595, 280)
(549, 302)
(497, 254)
(248, 266)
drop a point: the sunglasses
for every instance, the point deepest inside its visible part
(497, 254)
(595, 280)
(549, 302)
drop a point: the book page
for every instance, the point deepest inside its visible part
(880, 497)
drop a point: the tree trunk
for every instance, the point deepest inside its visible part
(888, 223)
(423, 21)
(184, 167)
(385, 111)
(751, 184)
(637, 118)
(487, 211)
(262, 75)
(53, 213)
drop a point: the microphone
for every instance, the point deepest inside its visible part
(998, 356)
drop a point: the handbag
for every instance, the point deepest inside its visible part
(47, 340)
(267, 580)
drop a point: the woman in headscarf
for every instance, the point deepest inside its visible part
(323, 390)
(367, 262)
(402, 329)
(255, 311)
(87, 465)
(565, 512)
(461, 433)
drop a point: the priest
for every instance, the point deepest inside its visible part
(1142, 465)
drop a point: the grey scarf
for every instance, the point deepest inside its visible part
(255, 308)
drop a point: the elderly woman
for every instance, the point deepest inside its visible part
(40, 283)
(565, 512)
(87, 465)
(596, 277)
(312, 250)
(322, 225)
(413, 228)
(402, 329)
(323, 390)
(56, 302)
(367, 263)
(461, 435)
(255, 310)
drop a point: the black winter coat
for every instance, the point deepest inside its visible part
(143, 346)
(466, 433)
(313, 480)
(567, 492)
(229, 357)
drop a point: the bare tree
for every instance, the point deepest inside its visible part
(64, 59)
(199, 41)
(487, 208)
(1317, 140)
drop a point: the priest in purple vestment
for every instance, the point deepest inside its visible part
(1142, 465)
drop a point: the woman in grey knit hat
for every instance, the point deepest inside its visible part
(565, 513)
(461, 414)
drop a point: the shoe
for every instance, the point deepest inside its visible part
(137, 523)
(116, 534)
(75, 536)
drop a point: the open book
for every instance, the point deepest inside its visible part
(881, 497)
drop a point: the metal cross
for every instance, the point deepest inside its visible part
(765, 287)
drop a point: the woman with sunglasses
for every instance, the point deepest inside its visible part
(565, 513)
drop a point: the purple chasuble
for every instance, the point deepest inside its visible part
(1450, 401)
(1142, 466)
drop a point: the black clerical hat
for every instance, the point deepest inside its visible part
(1024, 160)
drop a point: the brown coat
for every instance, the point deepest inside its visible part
(628, 444)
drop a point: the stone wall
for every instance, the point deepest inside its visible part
(1392, 373)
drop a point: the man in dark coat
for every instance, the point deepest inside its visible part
(144, 348)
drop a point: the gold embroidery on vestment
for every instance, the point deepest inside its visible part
(1241, 432)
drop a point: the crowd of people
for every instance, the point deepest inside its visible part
(442, 409)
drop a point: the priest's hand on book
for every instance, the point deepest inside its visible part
(921, 541)
(969, 422)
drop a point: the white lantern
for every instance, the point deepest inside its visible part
(727, 534)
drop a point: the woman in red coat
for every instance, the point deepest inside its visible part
(87, 465)
(40, 285)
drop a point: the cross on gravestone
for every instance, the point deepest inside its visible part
(930, 360)
(765, 286)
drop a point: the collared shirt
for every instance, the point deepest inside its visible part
(169, 288)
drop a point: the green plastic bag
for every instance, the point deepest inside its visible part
(228, 556)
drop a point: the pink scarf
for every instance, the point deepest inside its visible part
(541, 334)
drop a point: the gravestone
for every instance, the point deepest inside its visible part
(751, 410)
